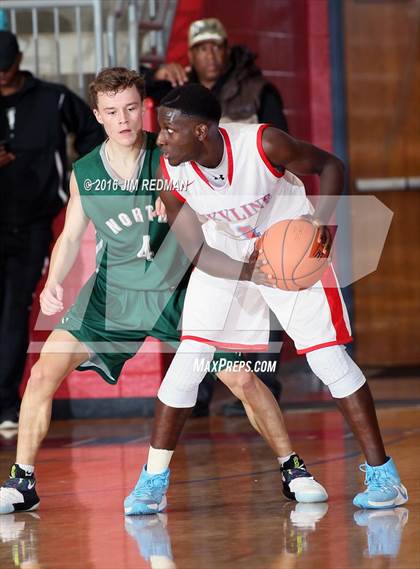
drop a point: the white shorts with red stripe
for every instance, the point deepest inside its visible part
(234, 315)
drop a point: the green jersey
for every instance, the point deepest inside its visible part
(138, 289)
(134, 249)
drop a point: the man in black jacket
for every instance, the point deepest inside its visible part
(35, 118)
(229, 72)
(245, 96)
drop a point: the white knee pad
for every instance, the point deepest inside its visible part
(337, 370)
(179, 387)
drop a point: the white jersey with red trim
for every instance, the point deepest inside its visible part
(254, 196)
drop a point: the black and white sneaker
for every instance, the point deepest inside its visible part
(18, 494)
(19, 540)
(299, 484)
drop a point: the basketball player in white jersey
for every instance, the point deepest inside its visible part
(229, 185)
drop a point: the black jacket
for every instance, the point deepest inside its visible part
(34, 124)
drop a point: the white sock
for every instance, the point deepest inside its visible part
(283, 459)
(158, 460)
(28, 468)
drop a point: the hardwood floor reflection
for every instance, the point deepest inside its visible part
(225, 505)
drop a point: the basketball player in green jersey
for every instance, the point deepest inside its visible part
(137, 291)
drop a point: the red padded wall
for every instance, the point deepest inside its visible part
(291, 39)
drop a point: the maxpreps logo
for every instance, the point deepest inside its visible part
(203, 365)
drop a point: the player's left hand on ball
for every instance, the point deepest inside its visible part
(324, 238)
(323, 235)
(160, 209)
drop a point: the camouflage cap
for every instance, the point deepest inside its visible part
(208, 29)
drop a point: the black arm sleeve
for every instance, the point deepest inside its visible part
(80, 120)
(271, 108)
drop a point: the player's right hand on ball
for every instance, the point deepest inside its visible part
(51, 299)
(252, 271)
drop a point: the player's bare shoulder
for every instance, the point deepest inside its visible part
(279, 147)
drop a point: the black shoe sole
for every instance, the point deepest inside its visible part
(24, 508)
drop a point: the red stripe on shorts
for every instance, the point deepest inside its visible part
(331, 289)
(332, 293)
(229, 346)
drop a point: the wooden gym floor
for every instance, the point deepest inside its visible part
(226, 509)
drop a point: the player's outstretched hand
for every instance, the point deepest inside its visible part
(51, 299)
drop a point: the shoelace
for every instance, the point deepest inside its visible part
(14, 482)
(150, 484)
(299, 472)
(375, 479)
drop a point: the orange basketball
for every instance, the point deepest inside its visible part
(294, 256)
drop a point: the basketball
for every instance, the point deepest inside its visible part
(293, 255)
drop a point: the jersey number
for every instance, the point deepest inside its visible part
(145, 251)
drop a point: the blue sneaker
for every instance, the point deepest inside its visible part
(149, 494)
(384, 530)
(384, 488)
(151, 536)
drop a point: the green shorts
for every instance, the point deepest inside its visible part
(113, 322)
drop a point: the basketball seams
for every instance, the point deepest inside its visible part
(282, 255)
(278, 266)
(268, 262)
(315, 271)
